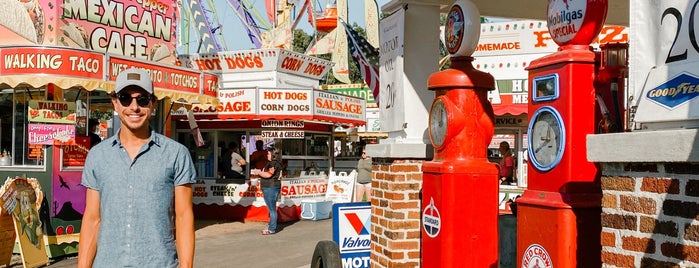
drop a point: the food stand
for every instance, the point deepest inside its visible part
(56, 73)
(270, 95)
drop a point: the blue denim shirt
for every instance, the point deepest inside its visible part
(137, 200)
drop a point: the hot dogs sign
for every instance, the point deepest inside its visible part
(142, 29)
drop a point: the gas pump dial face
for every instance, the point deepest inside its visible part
(438, 122)
(546, 138)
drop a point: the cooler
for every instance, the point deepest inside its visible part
(312, 209)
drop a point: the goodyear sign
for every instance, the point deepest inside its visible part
(352, 233)
(675, 92)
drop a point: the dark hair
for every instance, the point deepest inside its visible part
(233, 145)
(259, 144)
(92, 122)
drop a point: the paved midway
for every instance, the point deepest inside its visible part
(236, 244)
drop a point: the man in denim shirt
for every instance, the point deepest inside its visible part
(139, 194)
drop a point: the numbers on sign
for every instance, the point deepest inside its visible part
(678, 16)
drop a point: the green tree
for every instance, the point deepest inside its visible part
(301, 42)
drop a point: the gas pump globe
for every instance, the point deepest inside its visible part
(460, 230)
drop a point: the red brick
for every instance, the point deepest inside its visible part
(653, 226)
(679, 251)
(608, 239)
(609, 201)
(405, 168)
(616, 221)
(638, 244)
(637, 204)
(618, 183)
(618, 260)
(405, 205)
(691, 232)
(413, 245)
(660, 185)
(404, 187)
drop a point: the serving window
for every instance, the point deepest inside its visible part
(35, 118)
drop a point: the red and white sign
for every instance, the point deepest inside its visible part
(259, 60)
(297, 189)
(296, 104)
(575, 22)
(163, 77)
(51, 61)
(234, 102)
(292, 102)
(331, 105)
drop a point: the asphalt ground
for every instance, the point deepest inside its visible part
(222, 243)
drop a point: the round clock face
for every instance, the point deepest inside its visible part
(546, 138)
(438, 122)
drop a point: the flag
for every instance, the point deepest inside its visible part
(366, 57)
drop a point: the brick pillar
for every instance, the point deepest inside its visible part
(395, 207)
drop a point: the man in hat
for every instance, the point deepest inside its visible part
(139, 194)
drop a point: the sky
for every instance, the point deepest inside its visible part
(235, 36)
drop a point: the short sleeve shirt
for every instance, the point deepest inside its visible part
(137, 200)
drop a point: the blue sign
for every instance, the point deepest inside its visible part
(352, 233)
(677, 91)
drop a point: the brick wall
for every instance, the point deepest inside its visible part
(649, 215)
(395, 207)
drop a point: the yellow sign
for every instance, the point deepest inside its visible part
(51, 111)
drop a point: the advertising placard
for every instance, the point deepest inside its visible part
(391, 102)
(45, 134)
(22, 198)
(144, 30)
(352, 233)
(283, 134)
(296, 189)
(333, 105)
(341, 187)
(162, 76)
(291, 102)
(51, 60)
(75, 154)
(51, 111)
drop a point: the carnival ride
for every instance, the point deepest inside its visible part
(201, 31)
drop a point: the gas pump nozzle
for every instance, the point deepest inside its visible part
(605, 125)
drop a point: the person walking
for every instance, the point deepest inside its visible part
(138, 210)
(507, 164)
(271, 185)
(363, 185)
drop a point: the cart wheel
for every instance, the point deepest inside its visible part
(326, 255)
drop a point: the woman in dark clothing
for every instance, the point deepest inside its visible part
(270, 182)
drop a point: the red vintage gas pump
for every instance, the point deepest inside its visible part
(558, 222)
(459, 212)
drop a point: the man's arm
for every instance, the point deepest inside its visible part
(87, 247)
(184, 225)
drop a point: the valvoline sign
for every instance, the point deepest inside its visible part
(352, 233)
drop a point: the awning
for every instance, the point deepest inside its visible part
(511, 109)
(37, 66)
(37, 81)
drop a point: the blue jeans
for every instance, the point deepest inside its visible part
(270, 195)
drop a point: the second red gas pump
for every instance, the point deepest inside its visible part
(558, 222)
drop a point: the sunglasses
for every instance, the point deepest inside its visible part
(126, 99)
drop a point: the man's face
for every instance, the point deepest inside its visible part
(134, 113)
